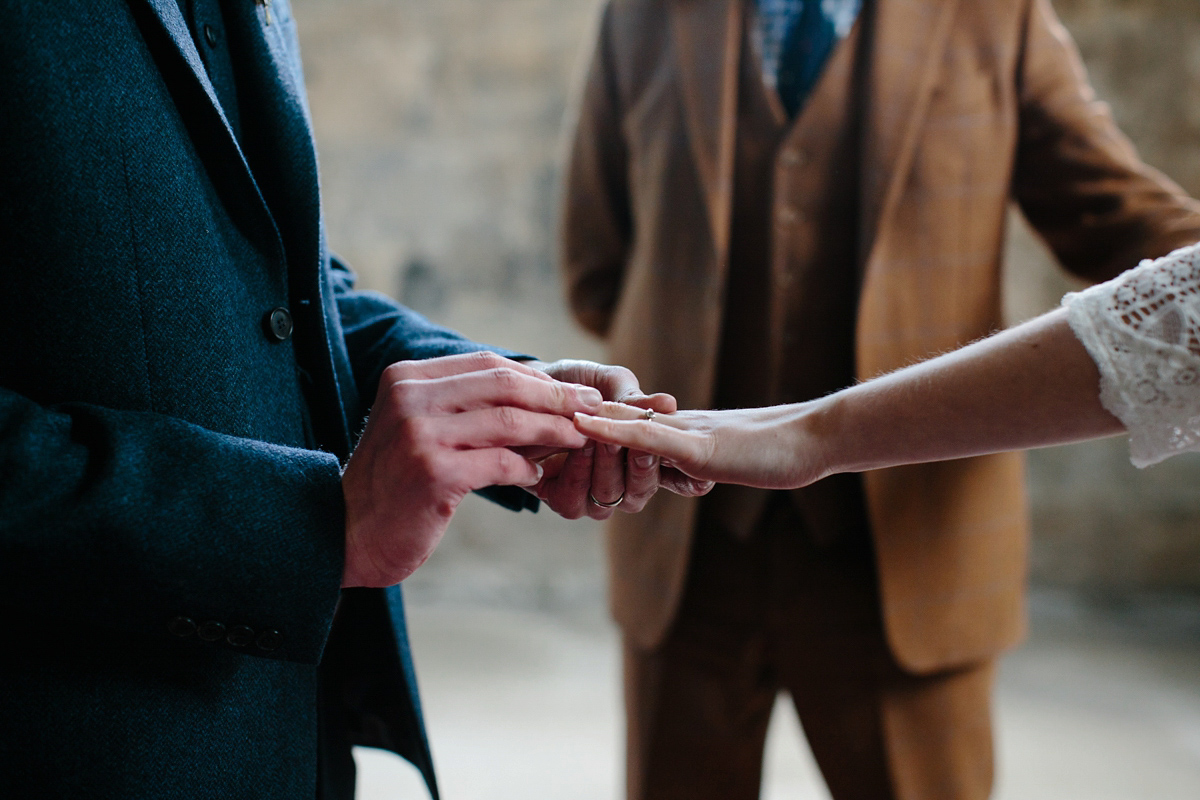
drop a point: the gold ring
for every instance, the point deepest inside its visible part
(613, 504)
(648, 415)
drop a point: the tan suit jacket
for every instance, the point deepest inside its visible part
(968, 105)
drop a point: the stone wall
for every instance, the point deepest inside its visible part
(439, 124)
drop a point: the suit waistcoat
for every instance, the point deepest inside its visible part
(792, 286)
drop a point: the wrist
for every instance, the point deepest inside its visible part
(821, 437)
(358, 567)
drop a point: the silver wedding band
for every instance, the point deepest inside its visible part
(613, 504)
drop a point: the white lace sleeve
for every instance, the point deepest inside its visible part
(1143, 331)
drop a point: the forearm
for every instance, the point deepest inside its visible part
(1078, 178)
(124, 520)
(1032, 386)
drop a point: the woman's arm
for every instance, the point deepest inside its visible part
(1031, 386)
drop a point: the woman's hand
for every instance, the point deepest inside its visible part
(767, 447)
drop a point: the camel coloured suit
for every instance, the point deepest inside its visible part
(965, 106)
(735, 257)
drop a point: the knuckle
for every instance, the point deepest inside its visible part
(507, 418)
(445, 506)
(566, 509)
(396, 371)
(561, 393)
(400, 393)
(426, 467)
(506, 468)
(641, 466)
(633, 505)
(483, 359)
(418, 432)
(506, 380)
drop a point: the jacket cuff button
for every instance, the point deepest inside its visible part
(240, 636)
(211, 631)
(181, 627)
(269, 640)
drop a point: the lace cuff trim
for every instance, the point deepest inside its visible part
(1143, 331)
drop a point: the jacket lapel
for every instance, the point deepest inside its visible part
(278, 135)
(172, 47)
(907, 41)
(278, 120)
(284, 150)
(171, 30)
(708, 36)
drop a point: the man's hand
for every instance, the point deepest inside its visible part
(585, 482)
(440, 429)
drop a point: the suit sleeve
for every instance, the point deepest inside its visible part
(597, 225)
(132, 522)
(379, 331)
(1079, 180)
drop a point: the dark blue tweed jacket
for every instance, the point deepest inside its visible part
(170, 508)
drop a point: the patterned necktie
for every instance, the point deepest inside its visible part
(797, 37)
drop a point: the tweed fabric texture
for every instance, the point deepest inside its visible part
(162, 456)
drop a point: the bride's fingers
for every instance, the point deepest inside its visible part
(639, 433)
(627, 412)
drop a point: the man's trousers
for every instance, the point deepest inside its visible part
(774, 612)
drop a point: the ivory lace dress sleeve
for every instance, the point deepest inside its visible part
(1143, 331)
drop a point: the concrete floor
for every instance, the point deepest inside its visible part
(1103, 703)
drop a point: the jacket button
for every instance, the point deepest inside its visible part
(279, 324)
(210, 35)
(181, 627)
(211, 631)
(240, 636)
(269, 640)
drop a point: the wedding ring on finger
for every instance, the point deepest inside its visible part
(648, 415)
(613, 504)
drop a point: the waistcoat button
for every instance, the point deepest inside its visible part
(210, 35)
(788, 215)
(279, 324)
(793, 158)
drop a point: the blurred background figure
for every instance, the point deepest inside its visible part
(439, 127)
(765, 201)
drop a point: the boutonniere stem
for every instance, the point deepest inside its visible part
(266, 6)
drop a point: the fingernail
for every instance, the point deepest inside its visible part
(590, 396)
(540, 471)
(644, 461)
(612, 449)
(589, 448)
